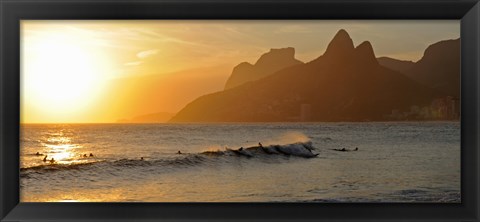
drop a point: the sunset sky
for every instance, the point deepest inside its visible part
(102, 71)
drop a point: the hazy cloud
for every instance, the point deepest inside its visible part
(147, 53)
(136, 63)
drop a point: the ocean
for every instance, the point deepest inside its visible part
(395, 162)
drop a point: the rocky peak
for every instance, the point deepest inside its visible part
(434, 51)
(275, 56)
(365, 54)
(267, 64)
(340, 45)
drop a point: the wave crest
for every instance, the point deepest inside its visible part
(300, 149)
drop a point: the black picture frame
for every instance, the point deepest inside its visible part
(12, 11)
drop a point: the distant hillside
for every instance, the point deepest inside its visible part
(160, 117)
(346, 83)
(439, 68)
(396, 65)
(267, 64)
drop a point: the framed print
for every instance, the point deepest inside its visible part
(238, 110)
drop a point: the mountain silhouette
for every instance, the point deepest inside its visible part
(439, 68)
(267, 64)
(395, 64)
(341, 47)
(346, 83)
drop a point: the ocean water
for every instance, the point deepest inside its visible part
(395, 162)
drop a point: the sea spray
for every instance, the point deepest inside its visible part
(288, 138)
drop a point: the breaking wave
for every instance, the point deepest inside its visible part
(299, 149)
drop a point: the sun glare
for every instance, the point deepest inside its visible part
(62, 75)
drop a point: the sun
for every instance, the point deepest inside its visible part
(63, 77)
(64, 73)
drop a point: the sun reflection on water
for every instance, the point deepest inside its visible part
(59, 145)
(59, 148)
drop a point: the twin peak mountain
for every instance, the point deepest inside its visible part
(341, 48)
(346, 83)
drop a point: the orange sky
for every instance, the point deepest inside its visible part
(102, 71)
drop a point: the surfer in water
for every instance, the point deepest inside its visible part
(242, 152)
(45, 158)
(91, 154)
(52, 160)
(345, 150)
(38, 154)
(141, 158)
(179, 152)
(341, 150)
(260, 145)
